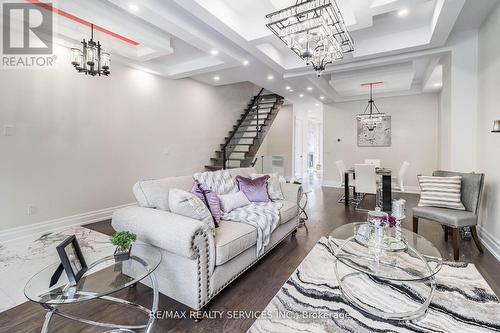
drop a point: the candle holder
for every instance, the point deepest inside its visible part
(496, 126)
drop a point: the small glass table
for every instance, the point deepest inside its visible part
(103, 277)
(392, 284)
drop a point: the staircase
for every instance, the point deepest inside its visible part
(243, 142)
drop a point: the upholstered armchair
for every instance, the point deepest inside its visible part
(472, 186)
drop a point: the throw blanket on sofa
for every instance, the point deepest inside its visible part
(264, 216)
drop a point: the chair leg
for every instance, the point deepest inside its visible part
(476, 238)
(415, 224)
(456, 238)
(446, 233)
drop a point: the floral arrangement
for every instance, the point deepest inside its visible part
(382, 221)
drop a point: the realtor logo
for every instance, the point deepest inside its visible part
(27, 35)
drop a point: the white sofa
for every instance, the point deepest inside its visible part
(197, 265)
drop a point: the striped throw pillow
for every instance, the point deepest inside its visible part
(441, 192)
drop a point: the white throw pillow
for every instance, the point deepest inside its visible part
(231, 201)
(273, 185)
(187, 204)
(442, 192)
(220, 181)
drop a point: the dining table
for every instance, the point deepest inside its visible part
(386, 187)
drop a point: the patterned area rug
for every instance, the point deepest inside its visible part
(311, 301)
(22, 258)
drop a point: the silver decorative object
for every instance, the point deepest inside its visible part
(496, 126)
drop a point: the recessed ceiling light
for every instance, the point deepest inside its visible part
(301, 95)
(216, 78)
(403, 12)
(309, 88)
(270, 77)
(317, 104)
(288, 87)
(214, 52)
(437, 84)
(321, 97)
(245, 62)
(133, 7)
(291, 90)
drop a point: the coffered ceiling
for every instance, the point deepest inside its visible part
(226, 41)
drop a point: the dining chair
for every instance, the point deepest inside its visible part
(472, 187)
(398, 182)
(341, 168)
(374, 162)
(366, 181)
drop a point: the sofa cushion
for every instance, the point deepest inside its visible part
(153, 193)
(451, 217)
(255, 189)
(231, 239)
(209, 198)
(187, 204)
(273, 185)
(288, 211)
(220, 181)
(231, 201)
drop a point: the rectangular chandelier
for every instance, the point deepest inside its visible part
(314, 30)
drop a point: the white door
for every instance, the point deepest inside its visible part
(298, 147)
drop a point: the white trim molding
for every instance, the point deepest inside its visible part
(492, 244)
(60, 223)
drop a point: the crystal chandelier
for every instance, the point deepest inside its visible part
(91, 59)
(314, 30)
(369, 118)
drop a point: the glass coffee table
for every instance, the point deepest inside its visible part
(392, 284)
(103, 277)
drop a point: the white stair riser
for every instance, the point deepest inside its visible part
(242, 141)
(233, 164)
(239, 156)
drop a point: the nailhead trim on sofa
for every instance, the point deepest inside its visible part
(197, 250)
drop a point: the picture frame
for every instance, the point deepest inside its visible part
(72, 259)
(381, 136)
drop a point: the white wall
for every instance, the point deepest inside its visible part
(280, 137)
(414, 136)
(458, 103)
(488, 148)
(80, 143)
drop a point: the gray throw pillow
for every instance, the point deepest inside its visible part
(187, 204)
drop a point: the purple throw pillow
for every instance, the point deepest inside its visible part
(254, 189)
(210, 199)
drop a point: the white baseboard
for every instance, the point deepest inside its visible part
(492, 244)
(58, 224)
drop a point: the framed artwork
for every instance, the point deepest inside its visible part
(380, 136)
(72, 259)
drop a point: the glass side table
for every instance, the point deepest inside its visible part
(302, 203)
(394, 284)
(103, 277)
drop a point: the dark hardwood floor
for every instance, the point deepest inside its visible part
(254, 289)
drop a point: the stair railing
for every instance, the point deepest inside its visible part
(224, 148)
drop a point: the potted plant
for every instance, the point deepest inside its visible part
(123, 241)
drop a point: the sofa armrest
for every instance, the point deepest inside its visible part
(291, 192)
(172, 232)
